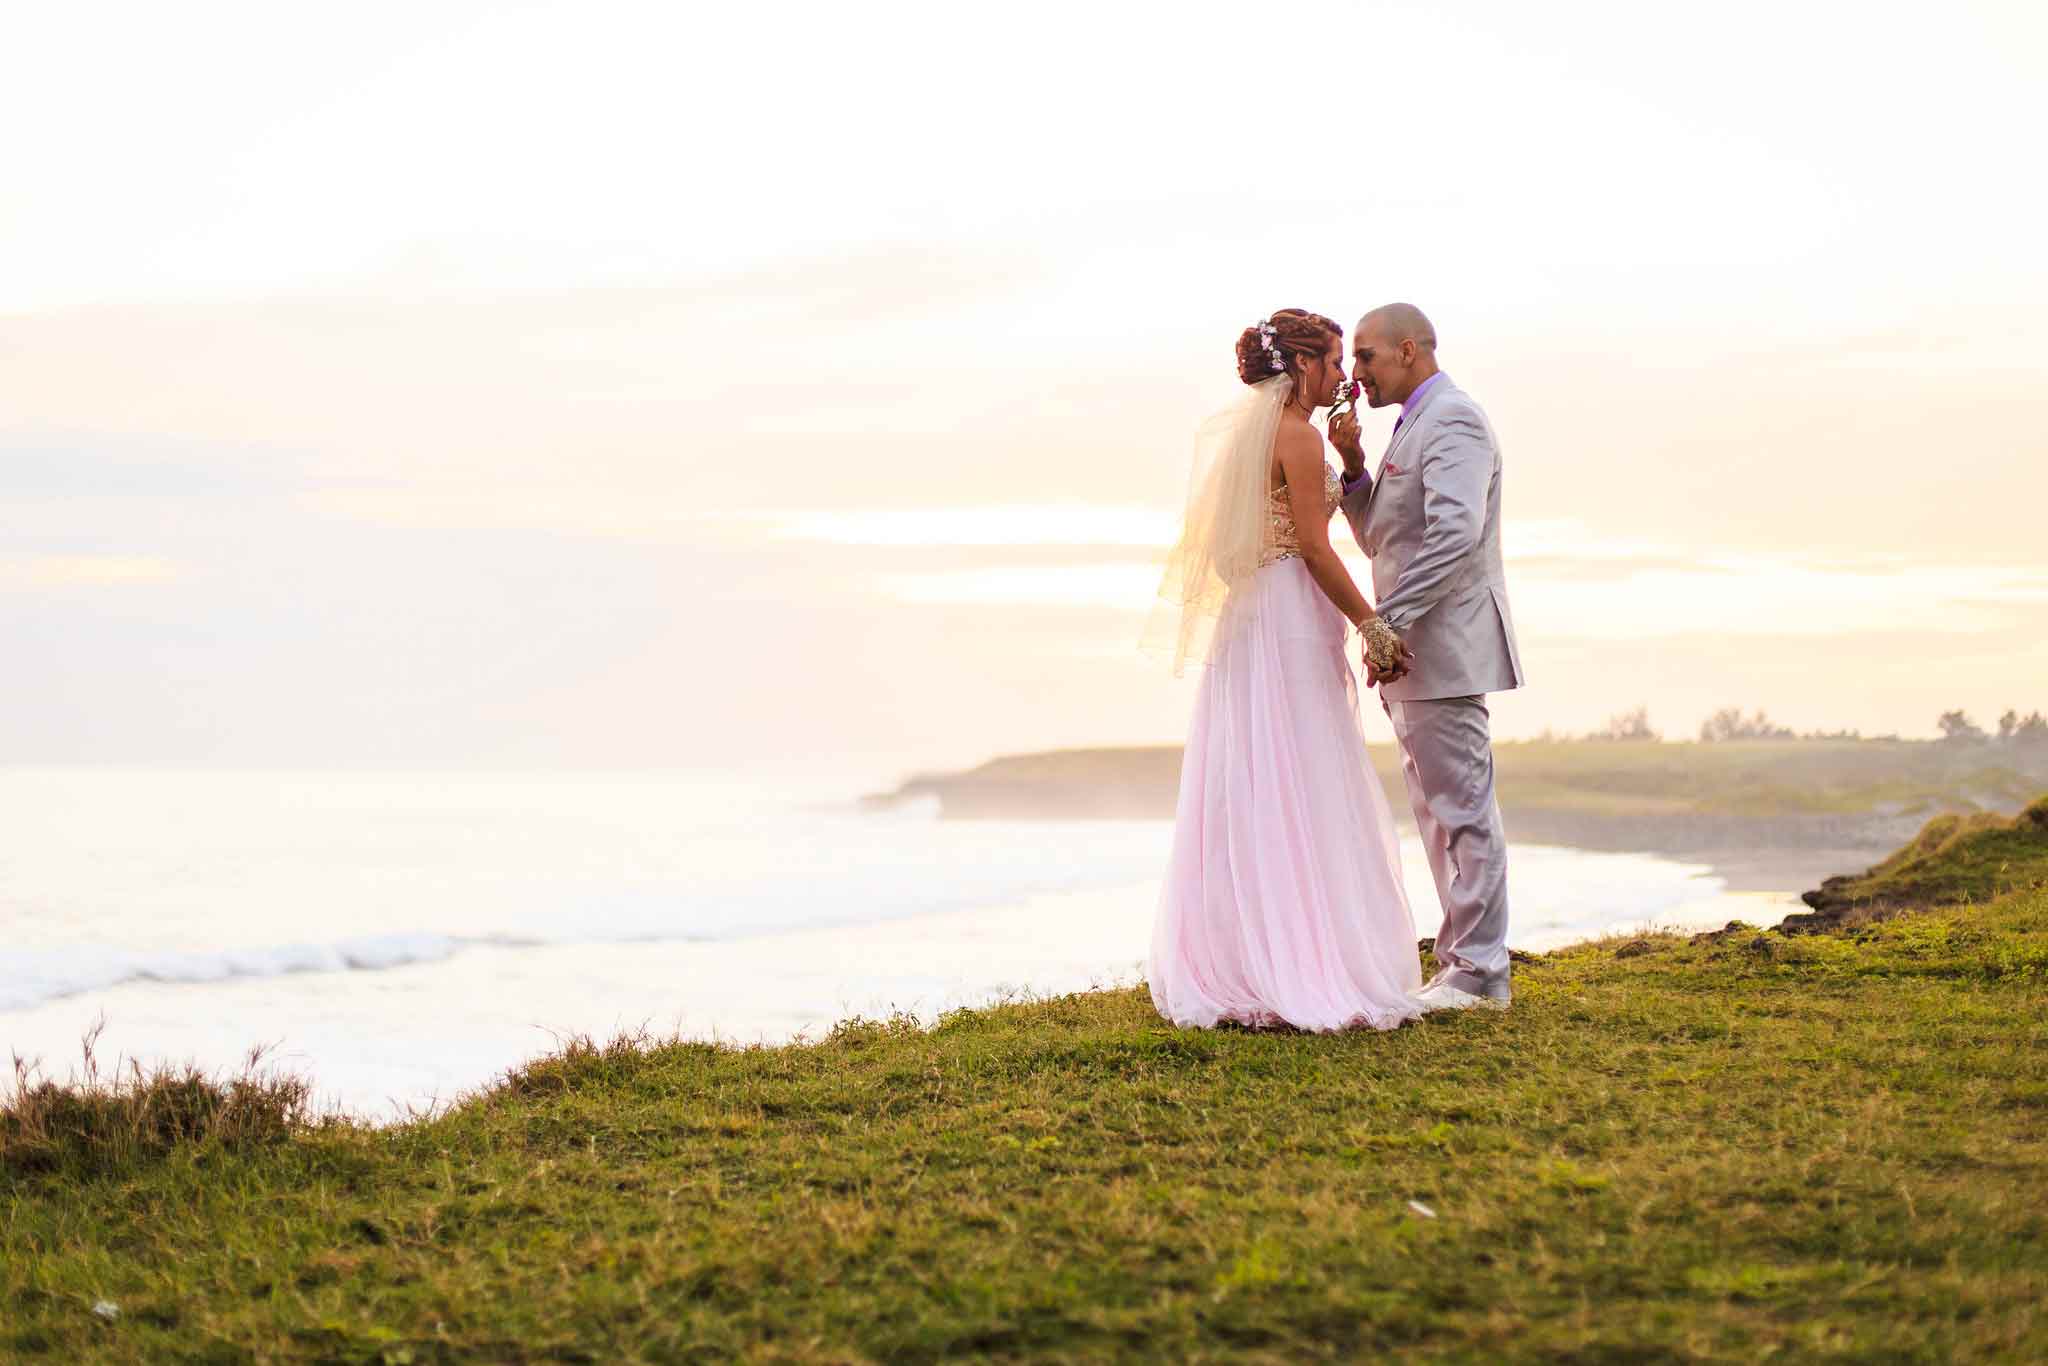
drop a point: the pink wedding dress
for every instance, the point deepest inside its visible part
(1283, 901)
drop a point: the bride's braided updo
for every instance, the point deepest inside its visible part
(1286, 337)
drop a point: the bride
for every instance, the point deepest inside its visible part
(1283, 902)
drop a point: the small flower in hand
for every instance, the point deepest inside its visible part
(1346, 397)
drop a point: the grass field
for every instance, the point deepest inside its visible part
(1816, 1146)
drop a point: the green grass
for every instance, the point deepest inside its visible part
(1807, 1147)
(1953, 859)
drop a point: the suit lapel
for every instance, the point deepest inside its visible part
(1401, 439)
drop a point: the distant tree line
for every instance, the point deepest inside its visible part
(1628, 726)
(2013, 729)
(1726, 724)
(1731, 723)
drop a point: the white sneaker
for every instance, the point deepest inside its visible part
(1443, 996)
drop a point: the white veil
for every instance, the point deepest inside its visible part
(1225, 528)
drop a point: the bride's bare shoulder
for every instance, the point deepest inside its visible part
(1296, 441)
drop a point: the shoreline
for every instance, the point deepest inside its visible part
(1302, 1191)
(821, 977)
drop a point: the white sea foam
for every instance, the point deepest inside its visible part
(30, 976)
(202, 878)
(405, 935)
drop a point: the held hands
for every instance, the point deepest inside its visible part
(1401, 669)
(1374, 676)
(1387, 656)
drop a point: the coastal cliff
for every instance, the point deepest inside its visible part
(1769, 815)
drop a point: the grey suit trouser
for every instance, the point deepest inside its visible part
(1447, 761)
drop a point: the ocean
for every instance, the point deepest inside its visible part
(404, 938)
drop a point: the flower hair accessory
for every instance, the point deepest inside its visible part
(1266, 340)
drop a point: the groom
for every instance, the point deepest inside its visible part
(1430, 521)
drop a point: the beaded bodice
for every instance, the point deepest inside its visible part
(1283, 540)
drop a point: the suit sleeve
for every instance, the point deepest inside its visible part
(1456, 468)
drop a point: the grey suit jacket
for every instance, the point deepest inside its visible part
(1430, 521)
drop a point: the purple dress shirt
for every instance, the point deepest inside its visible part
(1407, 406)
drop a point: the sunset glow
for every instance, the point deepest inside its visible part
(355, 380)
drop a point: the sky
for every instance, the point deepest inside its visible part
(636, 385)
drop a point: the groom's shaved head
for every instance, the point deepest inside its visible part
(1392, 353)
(1392, 324)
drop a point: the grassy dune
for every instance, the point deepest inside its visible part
(1814, 1146)
(1953, 859)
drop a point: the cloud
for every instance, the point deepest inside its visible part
(1617, 598)
(91, 464)
(1104, 586)
(73, 571)
(1001, 524)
